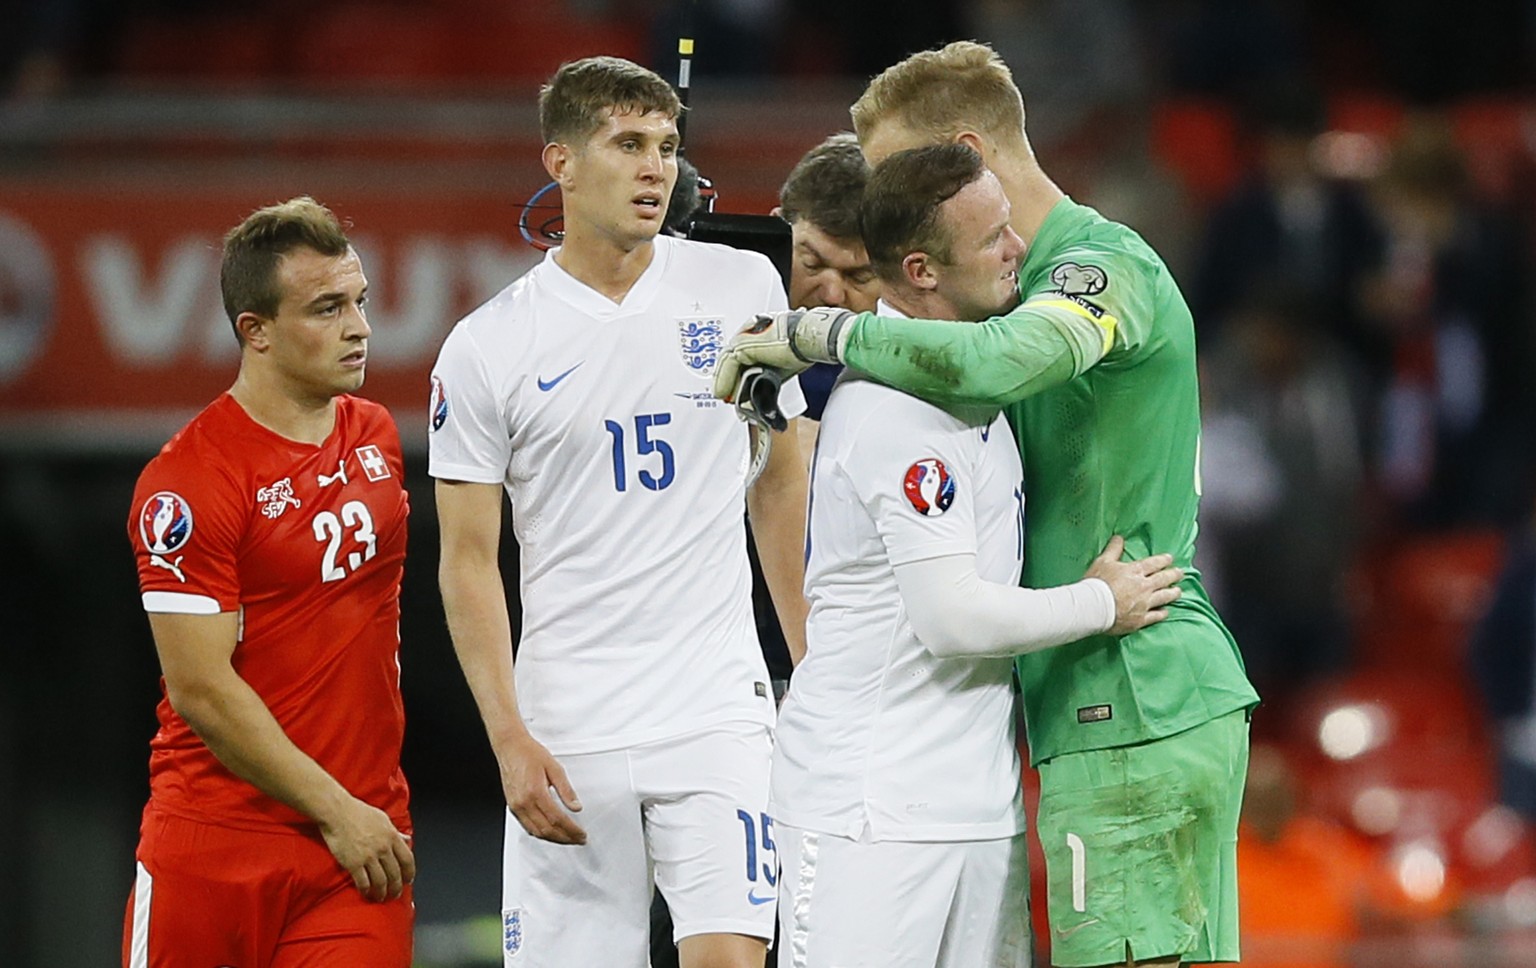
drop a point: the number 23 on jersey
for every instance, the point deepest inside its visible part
(354, 526)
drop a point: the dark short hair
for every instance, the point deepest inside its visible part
(252, 250)
(825, 186)
(577, 99)
(900, 208)
(686, 199)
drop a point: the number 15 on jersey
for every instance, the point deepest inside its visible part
(645, 445)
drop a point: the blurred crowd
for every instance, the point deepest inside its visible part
(1075, 52)
(1346, 191)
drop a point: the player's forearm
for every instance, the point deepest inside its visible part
(238, 728)
(475, 604)
(993, 363)
(955, 613)
(776, 507)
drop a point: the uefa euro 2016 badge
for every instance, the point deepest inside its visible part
(165, 523)
(165, 527)
(929, 487)
(512, 930)
(700, 338)
(438, 407)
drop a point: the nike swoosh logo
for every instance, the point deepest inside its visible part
(752, 896)
(1069, 932)
(550, 384)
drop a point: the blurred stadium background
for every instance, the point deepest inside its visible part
(1345, 190)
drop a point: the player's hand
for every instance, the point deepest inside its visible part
(366, 844)
(528, 775)
(786, 341)
(1142, 589)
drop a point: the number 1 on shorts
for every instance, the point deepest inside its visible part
(1079, 873)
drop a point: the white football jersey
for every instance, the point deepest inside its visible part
(627, 480)
(879, 738)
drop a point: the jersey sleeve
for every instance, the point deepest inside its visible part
(1092, 303)
(185, 527)
(912, 468)
(468, 436)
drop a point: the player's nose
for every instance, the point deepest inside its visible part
(357, 324)
(650, 163)
(1015, 245)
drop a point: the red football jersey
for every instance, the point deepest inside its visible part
(308, 543)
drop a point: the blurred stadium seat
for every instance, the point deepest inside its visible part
(1199, 141)
(1495, 135)
(1417, 600)
(1366, 114)
(238, 49)
(1394, 753)
(372, 43)
(528, 46)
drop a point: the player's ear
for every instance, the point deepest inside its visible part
(918, 271)
(254, 330)
(557, 161)
(973, 141)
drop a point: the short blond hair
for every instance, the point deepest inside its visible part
(961, 86)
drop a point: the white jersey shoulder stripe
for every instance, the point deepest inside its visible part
(180, 603)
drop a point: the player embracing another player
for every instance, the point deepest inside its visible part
(1141, 740)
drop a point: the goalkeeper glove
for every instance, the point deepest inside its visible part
(757, 403)
(786, 341)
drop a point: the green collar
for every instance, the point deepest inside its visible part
(1063, 222)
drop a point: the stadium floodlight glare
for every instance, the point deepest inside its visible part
(1420, 870)
(1352, 731)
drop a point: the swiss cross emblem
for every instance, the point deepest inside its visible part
(373, 462)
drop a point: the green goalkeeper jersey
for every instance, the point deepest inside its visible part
(1096, 369)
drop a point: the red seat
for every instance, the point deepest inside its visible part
(1494, 850)
(1199, 141)
(1492, 133)
(529, 47)
(1366, 114)
(206, 48)
(1419, 600)
(1395, 752)
(373, 44)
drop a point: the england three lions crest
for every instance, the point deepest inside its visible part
(700, 339)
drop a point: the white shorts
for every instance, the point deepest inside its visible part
(689, 814)
(900, 904)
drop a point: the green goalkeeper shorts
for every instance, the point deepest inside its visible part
(1141, 847)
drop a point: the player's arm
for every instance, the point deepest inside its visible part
(1044, 342)
(776, 507)
(474, 600)
(238, 728)
(805, 436)
(954, 612)
(1047, 340)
